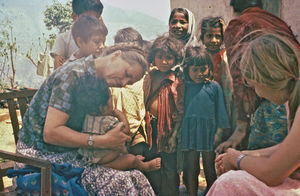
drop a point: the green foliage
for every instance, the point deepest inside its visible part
(58, 16)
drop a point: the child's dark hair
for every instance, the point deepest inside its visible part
(181, 10)
(91, 94)
(131, 53)
(241, 5)
(87, 26)
(129, 34)
(196, 56)
(166, 44)
(212, 22)
(81, 6)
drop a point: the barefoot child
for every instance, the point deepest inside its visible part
(205, 114)
(164, 108)
(130, 99)
(212, 31)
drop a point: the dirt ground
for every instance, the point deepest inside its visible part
(7, 143)
(6, 138)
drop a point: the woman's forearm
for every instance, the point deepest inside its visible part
(264, 152)
(267, 169)
(57, 133)
(66, 137)
(279, 162)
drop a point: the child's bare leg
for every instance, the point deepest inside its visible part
(108, 158)
(191, 171)
(123, 162)
(209, 168)
(129, 161)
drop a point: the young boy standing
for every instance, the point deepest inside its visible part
(65, 45)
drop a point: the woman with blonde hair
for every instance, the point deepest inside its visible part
(269, 64)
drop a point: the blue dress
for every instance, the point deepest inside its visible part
(204, 112)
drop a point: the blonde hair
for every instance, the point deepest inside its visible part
(273, 60)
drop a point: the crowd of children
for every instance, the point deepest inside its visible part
(182, 109)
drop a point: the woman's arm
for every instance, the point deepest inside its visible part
(57, 133)
(279, 165)
(264, 152)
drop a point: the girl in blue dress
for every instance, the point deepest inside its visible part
(205, 116)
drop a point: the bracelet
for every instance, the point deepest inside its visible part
(220, 134)
(238, 162)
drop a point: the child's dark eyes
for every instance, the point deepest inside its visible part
(166, 57)
(218, 36)
(203, 69)
(180, 21)
(170, 57)
(209, 36)
(200, 68)
(97, 42)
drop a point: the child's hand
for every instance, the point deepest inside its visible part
(219, 165)
(116, 138)
(122, 118)
(235, 139)
(58, 61)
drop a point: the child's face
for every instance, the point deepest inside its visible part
(198, 74)
(178, 26)
(212, 39)
(93, 46)
(164, 61)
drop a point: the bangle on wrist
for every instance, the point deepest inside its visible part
(238, 161)
(220, 134)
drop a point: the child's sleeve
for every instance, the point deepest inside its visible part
(221, 113)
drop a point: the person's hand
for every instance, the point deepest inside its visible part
(229, 159)
(122, 118)
(236, 138)
(227, 144)
(116, 138)
(58, 61)
(219, 165)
